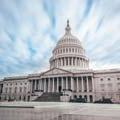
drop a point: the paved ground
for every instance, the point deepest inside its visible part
(60, 111)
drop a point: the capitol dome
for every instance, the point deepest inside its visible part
(69, 53)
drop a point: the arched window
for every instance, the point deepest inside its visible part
(73, 50)
(69, 49)
(66, 50)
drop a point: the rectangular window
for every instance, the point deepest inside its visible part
(20, 89)
(25, 89)
(10, 90)
(15, 89)
(6, 90)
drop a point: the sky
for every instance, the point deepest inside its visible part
(30, 29)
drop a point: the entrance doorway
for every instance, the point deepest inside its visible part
(60, 88)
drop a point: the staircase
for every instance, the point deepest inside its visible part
(49, 97)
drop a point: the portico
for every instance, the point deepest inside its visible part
(51, 80)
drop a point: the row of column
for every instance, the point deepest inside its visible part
(76, 84)
(70, 61)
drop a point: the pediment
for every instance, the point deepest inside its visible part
(56, 71)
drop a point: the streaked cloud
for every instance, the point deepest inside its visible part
(29, 30)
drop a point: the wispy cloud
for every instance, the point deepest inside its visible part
(29, 30)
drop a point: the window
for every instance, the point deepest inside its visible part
(61, 50)
(6, 90)
(101, 79)
(25, 83)
(11, 84)
(10, 90)
(118, 78)
(118, 86)
(15, 89)
(119, 89)
(21, 83)
(20, 89)
(73, 50)
(69, 49)
(25, 89)
(108, 78)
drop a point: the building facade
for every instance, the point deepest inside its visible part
(69, 72)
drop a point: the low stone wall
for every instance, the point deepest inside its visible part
(64, 98)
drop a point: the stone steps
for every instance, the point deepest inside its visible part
(55, 97)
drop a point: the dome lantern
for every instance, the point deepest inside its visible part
(67, 29)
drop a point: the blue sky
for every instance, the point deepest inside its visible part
(29, 30)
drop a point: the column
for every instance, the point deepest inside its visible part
(53, 85)
(44, 85)
(31, 84)
(77, 85)
(72, 84)
(93, 88)
(57, 63)
(62, 83)
(72, 61)
(82, 84)
(38, 85)
(87, 84)
(88, 100)
(57, 84)
(81, 63)
(66, 83)
(35, 83)
(62, 61)
(48, 84)
(65, 61)
(68, 61)
(41, 85)
(76, 62)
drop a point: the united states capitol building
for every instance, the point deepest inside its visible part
(69, 74)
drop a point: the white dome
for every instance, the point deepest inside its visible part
(68, 39)
(69, 53)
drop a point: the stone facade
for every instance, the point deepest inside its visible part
(69, 71)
